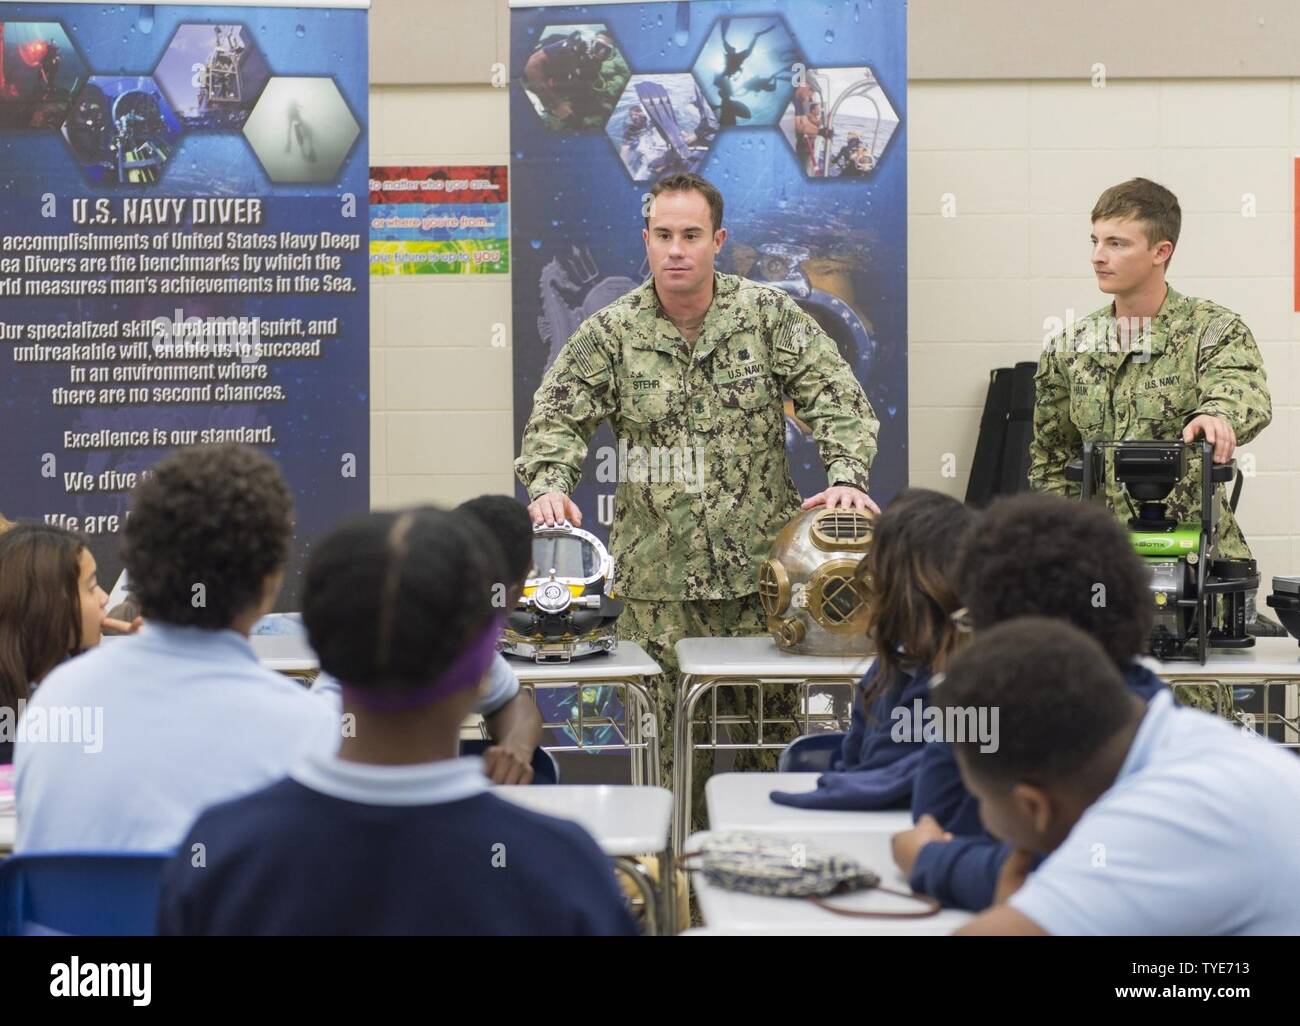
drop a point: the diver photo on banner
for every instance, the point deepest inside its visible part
(184, 251)
(795, 110)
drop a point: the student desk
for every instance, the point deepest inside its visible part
(740, 801)
(626, 821)
(730, 912)
(708, 664)
(627, 669)
(1272, 662)
(288, 654)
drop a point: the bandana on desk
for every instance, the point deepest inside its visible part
(782, 867)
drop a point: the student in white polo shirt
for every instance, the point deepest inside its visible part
(1155, 819)
(183, 714)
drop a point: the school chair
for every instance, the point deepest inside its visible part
(80, 893)
(811, 753)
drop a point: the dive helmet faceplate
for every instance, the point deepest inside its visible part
(567, 609)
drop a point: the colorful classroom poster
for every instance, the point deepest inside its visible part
(439, 220)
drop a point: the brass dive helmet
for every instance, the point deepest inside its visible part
(567, 609)
(813, 604)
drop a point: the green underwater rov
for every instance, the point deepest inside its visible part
(1200, 599)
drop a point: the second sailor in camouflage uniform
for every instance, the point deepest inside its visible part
(1196, 358)
(1186, 368)
(704, 484)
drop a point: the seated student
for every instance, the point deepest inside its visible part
(511, 714)
(189, 716)
(1155, 819)
(910, 581)
(51, 608)
(394, 834)
(1034, 555)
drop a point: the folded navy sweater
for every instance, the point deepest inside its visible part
(881, 752)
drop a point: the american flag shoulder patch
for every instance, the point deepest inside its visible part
(588, 359)
(1216, 329)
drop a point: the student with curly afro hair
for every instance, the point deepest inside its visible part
(208, 538)
(181, 715)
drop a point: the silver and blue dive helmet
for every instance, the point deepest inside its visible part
(567, 609)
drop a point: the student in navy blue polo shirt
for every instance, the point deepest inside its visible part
(1034, 555)
(509, 712)
(394, 833)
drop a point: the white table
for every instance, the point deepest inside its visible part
(627, 668)
(286, 653)
(710, 663)
(740, 801)
(1270, 662)
(730, 912)
(625, 821)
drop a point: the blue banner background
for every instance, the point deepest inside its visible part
(326, 414)
(576, 210)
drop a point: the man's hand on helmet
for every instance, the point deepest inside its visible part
(554, 508)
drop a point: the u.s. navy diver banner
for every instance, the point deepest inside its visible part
(794, 109)
(183, 253)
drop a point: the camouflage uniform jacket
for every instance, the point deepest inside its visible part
(1202, 359)
(696, 518)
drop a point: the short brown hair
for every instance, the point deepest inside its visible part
(1146, 201)
(684, 181)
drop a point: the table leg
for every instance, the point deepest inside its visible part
(688, 694)
(690, 691)
(636, 763)
(649, 754)
(650, 900)
(668, 892)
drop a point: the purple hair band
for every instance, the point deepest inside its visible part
(466, 671)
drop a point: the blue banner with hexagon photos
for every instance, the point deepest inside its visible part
(794, 109)
(183, 253)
